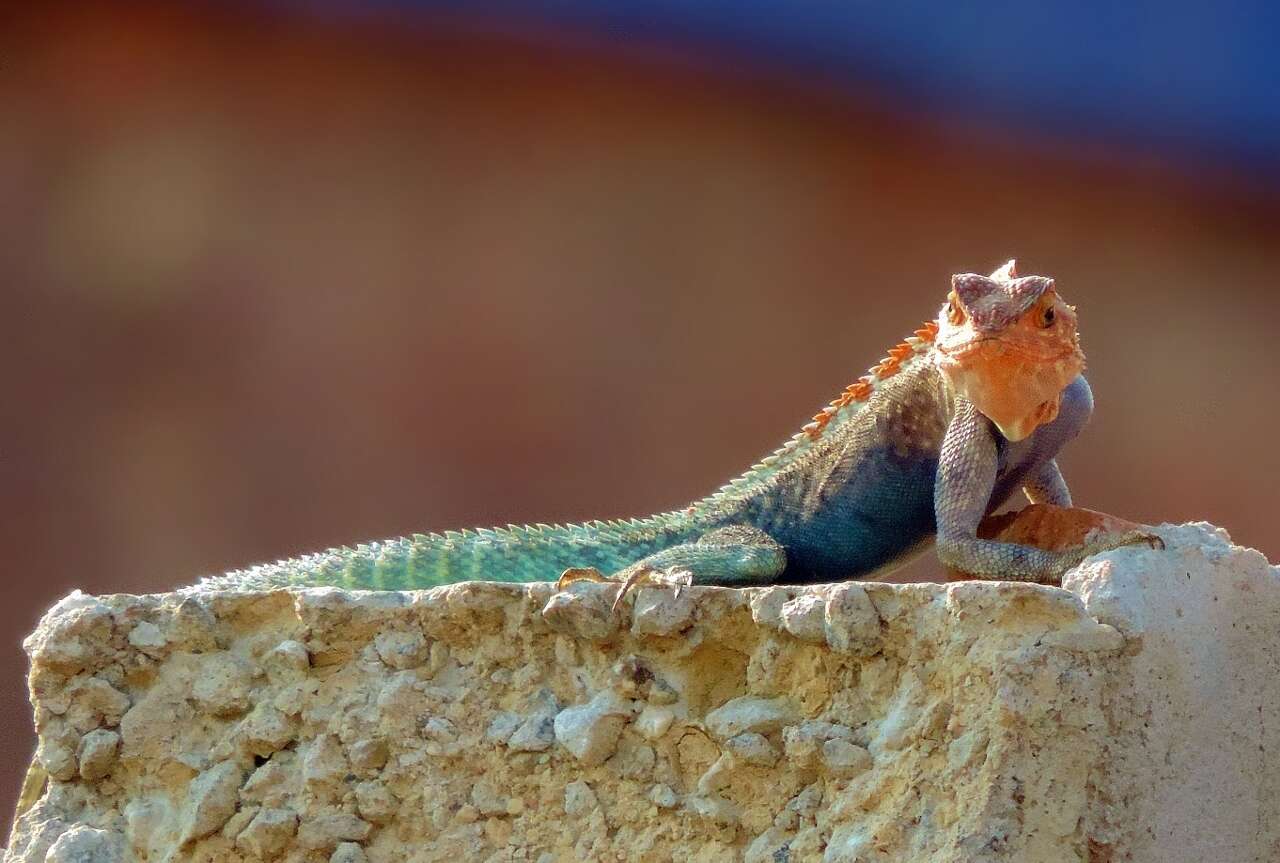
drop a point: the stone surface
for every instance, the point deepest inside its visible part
(1129, 718)
(1197, 760)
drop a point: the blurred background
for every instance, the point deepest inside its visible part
(278, 277)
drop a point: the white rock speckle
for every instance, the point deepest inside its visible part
(750, 713)
(590, 731)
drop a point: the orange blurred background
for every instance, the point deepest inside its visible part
(275, 284)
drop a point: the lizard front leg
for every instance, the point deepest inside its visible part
(734, 556)
(1039, 543)
(1047, 485)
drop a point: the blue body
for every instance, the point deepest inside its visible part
(882, 513)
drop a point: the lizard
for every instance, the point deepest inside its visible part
(922, 450)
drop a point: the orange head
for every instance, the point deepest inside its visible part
(1010, 346)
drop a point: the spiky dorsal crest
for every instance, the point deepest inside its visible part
(839, 408)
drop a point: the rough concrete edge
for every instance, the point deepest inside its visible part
(1094, 591)
(1200, 653)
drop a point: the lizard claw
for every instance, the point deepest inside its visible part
(624, 588)
(1128, 537)
(679, 579)
(627, 581)
(1142, 537)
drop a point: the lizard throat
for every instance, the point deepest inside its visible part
(1017, 394)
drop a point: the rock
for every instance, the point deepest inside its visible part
(223, 685)
(783, 723)
(148, 638)
(660, 611)
(844, 759)
(289, 660)
(663, 797)
(268, 834)
(849, 845)
(323, 832)
(237, 822)
(1088, 638)
(654, 721)
(487, 800)
(590, 731)
(269, 784)
(502, 727)
(74, 631)
(193, 626)
(439, 729)
(579, 798)
(536, 732)
(805, 617)
(347, 852)
(716, 810)
(367, 755)
(96, 702)
(324, 762)
(97, 753)
(583, 611)
(662, 693)
(375, 803)
(401, 649)
(752, 748)
(633, 759)
(211, 800)
(766, 606)
(850, 620)
(57, 758)
(750, 713)
(803, 742)
(267, 730)
(83, 844)
(769, 847)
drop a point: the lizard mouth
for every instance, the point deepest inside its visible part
(994, 347)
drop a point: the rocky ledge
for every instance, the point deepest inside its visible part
(1129, 717)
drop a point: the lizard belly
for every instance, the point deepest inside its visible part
(877, 517)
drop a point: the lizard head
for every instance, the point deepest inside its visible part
(1010, 346)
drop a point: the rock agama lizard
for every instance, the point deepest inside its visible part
(923, 449)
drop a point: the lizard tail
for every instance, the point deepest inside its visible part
(516, 553)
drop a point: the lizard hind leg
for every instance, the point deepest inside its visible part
(734, 556)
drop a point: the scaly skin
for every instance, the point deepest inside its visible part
(944, 430)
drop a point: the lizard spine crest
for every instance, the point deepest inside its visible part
(836, 412)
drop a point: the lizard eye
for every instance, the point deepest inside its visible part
(954, 314)
(1047, 317)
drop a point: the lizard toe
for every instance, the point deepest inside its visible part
(580, 573)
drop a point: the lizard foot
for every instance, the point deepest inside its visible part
(627, 580)
(1074, 532)
(1129, 537)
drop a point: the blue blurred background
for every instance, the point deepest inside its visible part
(282, 276)
(1181, 79)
